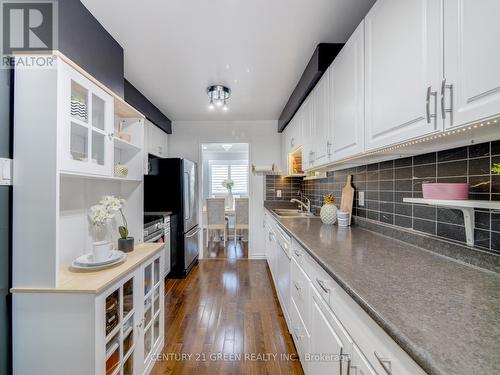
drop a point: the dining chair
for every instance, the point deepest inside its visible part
(240, 215)
(216, 218)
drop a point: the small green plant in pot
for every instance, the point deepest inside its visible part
(495, 168)
(125, 243)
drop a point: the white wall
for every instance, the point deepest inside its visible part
(265, 149)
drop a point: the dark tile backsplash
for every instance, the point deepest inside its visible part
(386, 184)
(289, 186)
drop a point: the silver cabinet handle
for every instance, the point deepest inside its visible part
(341, 360)
(329, 148)
(428, 104)
(383, 364)
(292, 142)
(296, 285)
(298, 253)
(195, 233)
(444, 111)
(297, 330)
(321, 283)
(110, 136)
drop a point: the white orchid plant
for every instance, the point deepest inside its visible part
(228, 184)
(103, 212)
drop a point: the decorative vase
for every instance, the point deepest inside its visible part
(328, 213)
(229, 199)
(126, 244)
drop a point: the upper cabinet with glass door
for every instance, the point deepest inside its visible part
(86, 125)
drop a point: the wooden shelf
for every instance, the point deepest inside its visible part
(124, 145)
(466, 206)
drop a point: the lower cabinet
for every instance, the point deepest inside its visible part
(115, 332)
(331, 332)
(328, 340)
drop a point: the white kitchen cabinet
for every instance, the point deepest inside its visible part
(157, 140)
(306, 118)
(321, 143)
(403, 70)
(471, 87)
(86, 331)
(347, 99)
(327, 338)
(85, 113)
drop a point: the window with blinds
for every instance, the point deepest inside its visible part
(236, 170)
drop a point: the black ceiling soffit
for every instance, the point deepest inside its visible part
(321, 59)
(135, 98)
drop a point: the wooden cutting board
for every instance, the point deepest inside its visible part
(347, 197)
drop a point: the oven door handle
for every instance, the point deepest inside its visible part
(155, 238)
(194, 234)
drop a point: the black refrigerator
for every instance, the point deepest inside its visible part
(172, 185)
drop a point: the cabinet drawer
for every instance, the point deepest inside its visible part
(378, 347)
(299, 333)
(300, 291)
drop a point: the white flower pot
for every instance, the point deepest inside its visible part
(101, 250)
(328, 214)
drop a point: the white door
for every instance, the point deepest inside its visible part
(306, 118)
(86, 115)
(327, 340)
(321, 97)
(348, 97)
(403, 67)
(471, 61)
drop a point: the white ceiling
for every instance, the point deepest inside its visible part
(174, 49)
(235, 147)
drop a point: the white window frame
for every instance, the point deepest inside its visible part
(229, 163)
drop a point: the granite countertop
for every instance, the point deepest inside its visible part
(444, 314)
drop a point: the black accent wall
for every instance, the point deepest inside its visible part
(321, 59)
(135, 98)
(85, 41)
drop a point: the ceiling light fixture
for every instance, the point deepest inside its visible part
(218, 96)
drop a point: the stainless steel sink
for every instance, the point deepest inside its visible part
(287, 212)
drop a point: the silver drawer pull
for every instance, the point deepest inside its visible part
(296, 285)
(323, 286)
(298, 253)
(383, 364)
(297, 330)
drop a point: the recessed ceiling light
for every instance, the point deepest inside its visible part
(227, 66)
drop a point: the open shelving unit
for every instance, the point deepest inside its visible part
(466, 206)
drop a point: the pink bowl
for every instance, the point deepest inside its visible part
(445, 191)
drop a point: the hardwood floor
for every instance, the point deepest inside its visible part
(222, 314)
(230, 251)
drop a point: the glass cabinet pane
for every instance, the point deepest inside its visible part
(148, 279)
(156, 329)
(112, 355)
(148, 342)
(98, 148)
(79, 142)
(112, 311)
(128, 297)
(128, 341)
(79, 102)
(157, 270)
(98, 112)
(128, 367)
(156, 300)
(148, 311)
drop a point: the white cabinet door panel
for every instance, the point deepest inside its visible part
(403, 58)
(348, 98)
(321, 108)
(327, 340)
(472, 60)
